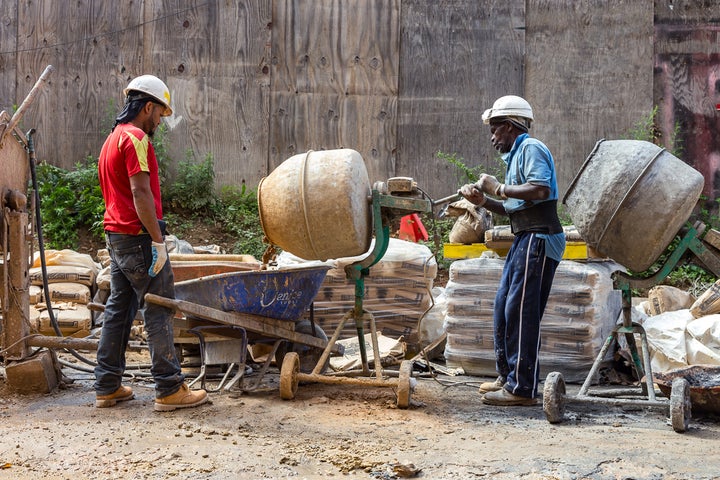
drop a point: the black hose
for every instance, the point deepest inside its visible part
(41, 247)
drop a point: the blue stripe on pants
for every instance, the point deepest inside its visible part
(519, 305)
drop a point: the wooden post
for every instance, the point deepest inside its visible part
(16, 308)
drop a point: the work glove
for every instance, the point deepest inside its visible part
(160, 256)
(489, 184)
(473, 194)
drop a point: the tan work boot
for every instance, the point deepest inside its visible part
(493, 386)
(504, 398)
(183, 398)
(120, 395)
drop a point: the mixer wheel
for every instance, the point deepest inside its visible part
(554, 397)
(680, 404)
(309, 356)
(405, 384)
(289, 376)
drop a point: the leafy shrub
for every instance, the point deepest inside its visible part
(238, 210)
(69, 199)
(194, 187)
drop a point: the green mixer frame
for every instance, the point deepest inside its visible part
(679, 403)
(385, 207)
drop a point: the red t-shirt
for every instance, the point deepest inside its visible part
(127, 151)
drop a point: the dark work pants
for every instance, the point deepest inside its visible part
(519, 305)
(131, 255)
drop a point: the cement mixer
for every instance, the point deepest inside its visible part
(628, 201)
(319, 205)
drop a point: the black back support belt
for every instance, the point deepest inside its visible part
(541, 218)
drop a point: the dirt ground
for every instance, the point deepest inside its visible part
(350, 432)
(346, 432)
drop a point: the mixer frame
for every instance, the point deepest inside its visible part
(679, 403)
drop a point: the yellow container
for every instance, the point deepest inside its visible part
(459, 251)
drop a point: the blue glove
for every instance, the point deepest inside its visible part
(160, 256)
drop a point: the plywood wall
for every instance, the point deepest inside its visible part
(589, 76)
(257, 81)
(457, 57)
(335, 79)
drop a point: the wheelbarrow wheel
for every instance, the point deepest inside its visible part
(405, 384)
(289, 376)
(680, 404)
(309, 356)
(554, 397)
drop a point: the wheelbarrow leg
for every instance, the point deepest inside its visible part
(232, 352)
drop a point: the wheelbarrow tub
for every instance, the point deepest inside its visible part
(704, 383)
(183, 271)
(283, 294)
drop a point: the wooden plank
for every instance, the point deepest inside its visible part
(583, 83)
(457, 57)
(712, 237)
(263, 325)
(334, 79)
(92, 46)
(215, 57)
(8, 57)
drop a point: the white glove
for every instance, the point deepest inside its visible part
(473, 194)
(160, 256)
(489, 184)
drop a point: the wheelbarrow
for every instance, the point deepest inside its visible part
(260, 306)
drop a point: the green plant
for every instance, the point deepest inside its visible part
(69, 199)
(238, 209)
(466, 174)
(647, 129)
(472, 174)
(193, 189)
(159, 141)
(438, 234)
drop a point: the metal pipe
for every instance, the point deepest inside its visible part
(449, 198)
(73, 343)
(376, 382)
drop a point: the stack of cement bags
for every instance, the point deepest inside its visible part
(397, 292)
(71, 280)
(581, 312)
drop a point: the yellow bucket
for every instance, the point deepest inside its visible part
(316, 205)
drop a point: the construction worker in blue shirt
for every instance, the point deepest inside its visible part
(529, 198)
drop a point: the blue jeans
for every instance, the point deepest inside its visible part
(519, 306)
(130, 258)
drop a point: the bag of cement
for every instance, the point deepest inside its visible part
(103, 256)
(471, 224)
(73, 319)
(431, 324)
(103, 279)
(69, 292)
(708, 303)
(66, 257)
(64, 273)
(664, 298)
(36, 294)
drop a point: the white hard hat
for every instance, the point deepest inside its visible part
(509, 106)
(154, 87)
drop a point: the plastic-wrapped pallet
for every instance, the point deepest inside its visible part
(397, 292)
(582, 310)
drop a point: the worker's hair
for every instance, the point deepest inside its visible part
(134, 102)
